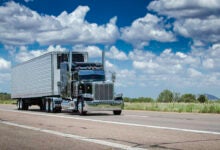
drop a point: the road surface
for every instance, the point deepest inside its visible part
(135, 130)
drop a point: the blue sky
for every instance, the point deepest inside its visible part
(151, 45)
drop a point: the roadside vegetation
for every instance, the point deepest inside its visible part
(168, 101)
(5, 98)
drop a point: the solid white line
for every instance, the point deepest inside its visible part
(76, 137)
(137, 116)
(114, 122)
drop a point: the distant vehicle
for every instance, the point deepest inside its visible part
(59, 81)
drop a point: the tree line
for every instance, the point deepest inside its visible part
(166, 96)
(5, 96)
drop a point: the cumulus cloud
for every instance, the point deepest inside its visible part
(5, 76)
(178, 70)
(201, 30)
(185, 8)
(21, 25)
(146, 29)
(114, 53)
(196, 19)
(24, 54)
(4, 64)
(93, 51)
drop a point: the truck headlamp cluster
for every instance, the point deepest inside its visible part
(85, 88)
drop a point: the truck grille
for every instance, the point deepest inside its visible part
(104, 91)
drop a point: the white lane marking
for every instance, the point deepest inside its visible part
(137, 116)
(115, 122)
(76, 137)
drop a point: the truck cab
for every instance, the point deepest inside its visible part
(88, 88)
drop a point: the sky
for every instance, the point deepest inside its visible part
(151, 45)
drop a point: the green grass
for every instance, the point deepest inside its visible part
(175, 107)
(10, 101)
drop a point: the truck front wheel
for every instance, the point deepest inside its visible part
(117, 112)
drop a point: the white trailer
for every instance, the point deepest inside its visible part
(39, 82)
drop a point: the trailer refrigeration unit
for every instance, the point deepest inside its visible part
(64, 81)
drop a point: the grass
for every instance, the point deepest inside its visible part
(210, 107)
(10, 101)
(175, 107)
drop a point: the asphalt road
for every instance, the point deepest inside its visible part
(33, 129)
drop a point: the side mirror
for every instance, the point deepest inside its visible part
(59, 83)
(113, 77)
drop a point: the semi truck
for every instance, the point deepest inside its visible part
(58, 81)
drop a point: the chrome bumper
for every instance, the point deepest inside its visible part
(103, 105)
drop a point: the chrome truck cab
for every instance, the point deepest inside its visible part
(85, 85)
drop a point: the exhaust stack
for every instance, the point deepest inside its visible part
(103, 59)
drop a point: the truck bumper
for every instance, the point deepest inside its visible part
(103, 105)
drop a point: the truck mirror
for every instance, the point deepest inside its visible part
(113, 77)
(59, 83)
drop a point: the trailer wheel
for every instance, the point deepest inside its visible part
(22, 105)
(25, 106)
(47, 105)
(117, 112)
(19, 104)
(52, 109)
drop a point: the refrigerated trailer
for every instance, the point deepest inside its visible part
(64, 80)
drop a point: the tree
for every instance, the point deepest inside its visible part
(188, 98)
(165, 96)
(202, 98)
(176, 97)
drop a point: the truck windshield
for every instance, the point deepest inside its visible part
(94, 75)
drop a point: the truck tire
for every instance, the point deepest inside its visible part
(47, 105)
(80, 108)
(117, 112)
(51, 106)
(22, 105)
(25, 106)
(19, 104)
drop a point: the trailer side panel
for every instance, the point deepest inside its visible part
(33, 78)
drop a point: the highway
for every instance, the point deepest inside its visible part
(132, 130)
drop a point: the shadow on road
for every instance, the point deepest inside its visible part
(72, 113)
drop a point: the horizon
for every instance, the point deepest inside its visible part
(151, 45)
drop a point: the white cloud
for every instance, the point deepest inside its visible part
(201, 30)
(145, 65)
(146, 29)
(4, 64)
(114, 53)
(93, 51)
(24, 54)
(181, 55)
(109, 66)
(185, 8)
(21, 25)
(141, 55)
(194, 73)
(196, 19)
